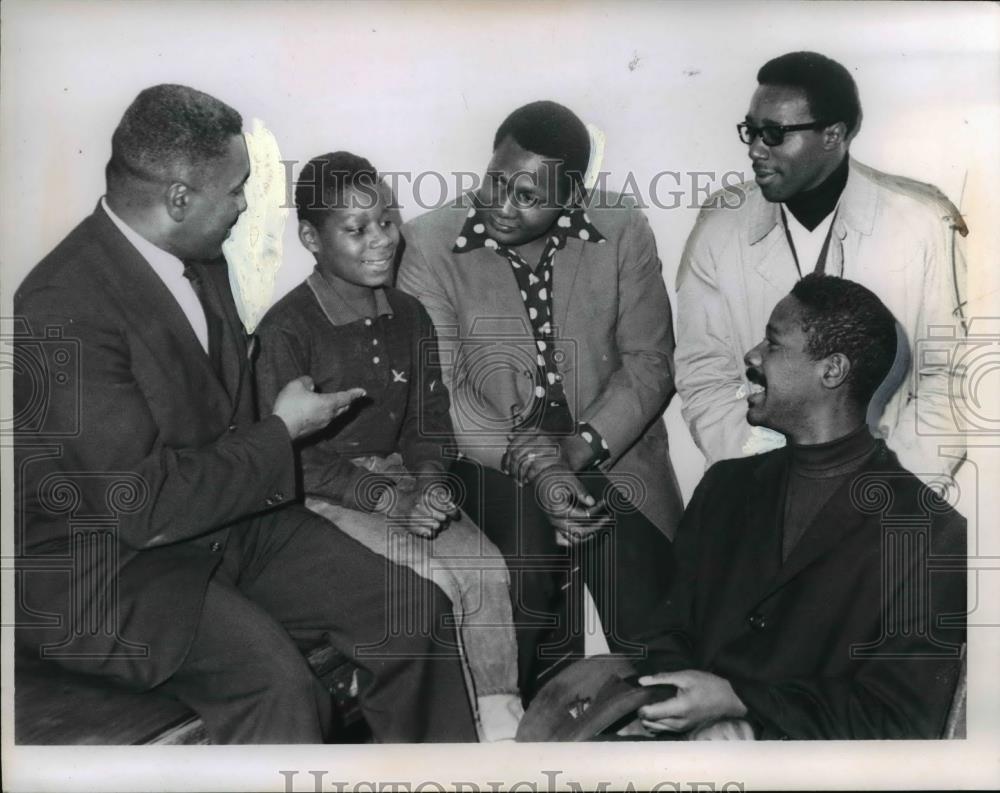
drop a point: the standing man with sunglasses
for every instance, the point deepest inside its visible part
(813, 208)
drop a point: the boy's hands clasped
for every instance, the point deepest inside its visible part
(422, 502)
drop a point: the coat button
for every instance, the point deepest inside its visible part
(231, 428)
(274, 499)
(757, 621)
(215, 547)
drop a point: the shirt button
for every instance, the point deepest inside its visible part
(757, 621)
(274, 498)
(215, 547)
(375, 342)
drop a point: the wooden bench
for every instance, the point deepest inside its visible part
(55, 707)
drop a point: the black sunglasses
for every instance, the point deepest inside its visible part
(773, 134)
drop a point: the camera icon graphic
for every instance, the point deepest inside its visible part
(495, 380)
(46, 371)
(973, 365)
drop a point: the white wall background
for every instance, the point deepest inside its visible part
(422, 86)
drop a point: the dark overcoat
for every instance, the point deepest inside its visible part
(856, 635)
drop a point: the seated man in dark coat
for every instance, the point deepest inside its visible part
(158, 547)
(820, 587)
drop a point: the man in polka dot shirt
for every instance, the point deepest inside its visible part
(556, 343)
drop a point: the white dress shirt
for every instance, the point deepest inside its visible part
(170, 269)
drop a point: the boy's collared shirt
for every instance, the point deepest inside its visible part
(313, 331)
(336, 309)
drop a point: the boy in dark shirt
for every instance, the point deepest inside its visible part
(379, 472)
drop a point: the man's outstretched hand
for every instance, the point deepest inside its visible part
(304, 411)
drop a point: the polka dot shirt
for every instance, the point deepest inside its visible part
(535, 288)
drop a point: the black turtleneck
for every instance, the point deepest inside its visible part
(811, 206)
(815, 473)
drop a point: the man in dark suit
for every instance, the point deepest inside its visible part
(158, 545)
(820, 589)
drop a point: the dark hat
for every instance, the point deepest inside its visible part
(587, 698)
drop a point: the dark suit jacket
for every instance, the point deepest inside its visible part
(856, 635)
(135, 458)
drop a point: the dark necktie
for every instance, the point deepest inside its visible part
(212, 319)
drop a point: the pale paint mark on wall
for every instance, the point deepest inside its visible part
(254, 248)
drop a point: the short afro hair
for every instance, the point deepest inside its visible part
(169, 130)
(552, 131)
(843, 316)
(828, 86)
(324, 180)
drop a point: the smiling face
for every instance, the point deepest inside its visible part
(356, 243)
(215, 201)
(520, 195)
(804, 158)
(787, 379)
